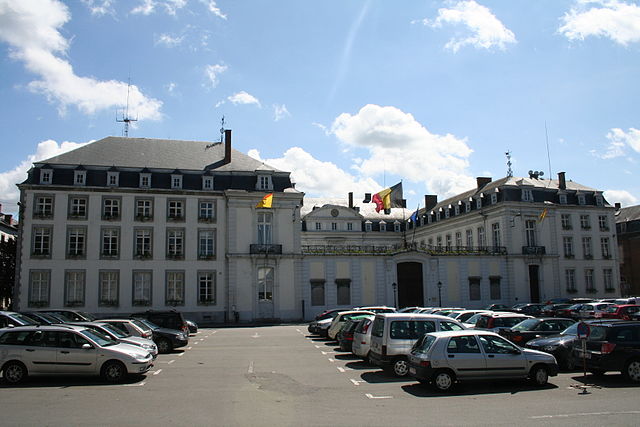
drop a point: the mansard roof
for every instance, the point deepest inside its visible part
(630, 213)
(366, 210)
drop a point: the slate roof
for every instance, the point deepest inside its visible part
(630, 213)
(367, 210)
(157, 154)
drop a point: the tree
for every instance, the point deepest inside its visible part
(7, 271)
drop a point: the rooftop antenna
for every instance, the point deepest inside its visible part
(125, 114)
(546, 134)
(509, 171)
(221, 135)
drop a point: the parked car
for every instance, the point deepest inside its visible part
(345, 336)
(532, 328)
(551, 310)
(613, 346)
(71, 315)
(167, 339)
(499, 320)
(169, 319)
(338, 321)
(470, 323)
(134, 327)
(412, 309)
(362, 338)
(377, 309)
(497, 307)
(464, 315)
(43, 318)
(529, 309)
(117, 335)
(444, 358)
(628, 301)
(589, 310)
(393, 335)
(321, 327)
(624, 312)
(11, 319)
(67, 349)
(192, 326)
(570, 312)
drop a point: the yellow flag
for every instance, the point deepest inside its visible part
(543, 214)
(266, 201)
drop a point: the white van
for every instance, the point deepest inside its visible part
(393, 335)
(628, 300)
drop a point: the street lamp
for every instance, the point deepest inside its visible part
(439, 293)
(394, 285)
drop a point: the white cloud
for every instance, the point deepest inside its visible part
(168, 40)
(213, 72)
(310, 174)
(619, 141)
(280, 112)
(398, 144)
(620, 196)
(243, 97)
(213, 8)
(147, 7)
(100, 7)
(617, 20)
(8, 180)
(487, 30)
(31, 28)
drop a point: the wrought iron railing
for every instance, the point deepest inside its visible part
(391, 249)
(533, 250)
(265, 249)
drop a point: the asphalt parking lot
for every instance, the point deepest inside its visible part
(282, 376)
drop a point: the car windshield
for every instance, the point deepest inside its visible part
(423, 344)
(473, 319)
(25, 320)
(91, 317)
(149, 324)
(611, 309)
(526, 325)
(98, 337)
(140, 325)
(114, 331)
(571, 330)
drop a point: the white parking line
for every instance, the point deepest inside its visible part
(297, 329)
(135, 385)
(196, 343)
(331, 360)
(170, 362)
(356, 382)
(327, 352)
(181, 354)
(317, 346)
(341, 369)
(370, 396)
(584, 414)
(250, 370)
(157, 372)
(189, 348)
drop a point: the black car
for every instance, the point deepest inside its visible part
(166, 339)
(535, 328)
(529, 309)
(43, 318)
(345, 336)
(613, 346)
(170, 319)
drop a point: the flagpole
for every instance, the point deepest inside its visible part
(415, 224)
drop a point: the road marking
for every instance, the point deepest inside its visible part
(327, 352)
(356, 382)
(331, 360)
(135, 385)
(189, 348)
(341, 369)
(370, 396)
(317, 346)
(297, 329)
(157, 372)
(196, 343)
(584, 414)
(181, 354)
(250, 370)
(256, 335)
(170, 362)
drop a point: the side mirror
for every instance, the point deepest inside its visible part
(87, 346)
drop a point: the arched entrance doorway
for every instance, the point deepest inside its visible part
(410, 289)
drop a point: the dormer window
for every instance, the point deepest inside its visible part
(563, 199)
(467, 206)
(207, 183)
(446, 213)
(527, 195)
(479, 202)
(599, 200)
(494, 198)
(46, 176)
(457, 210)
(145, 180)
(582, 200)
(113, 179)
(264, 183)
(367, 226)
(176, 181)
(383, 226)
(438, 216)
(396, 227)
(79, 177)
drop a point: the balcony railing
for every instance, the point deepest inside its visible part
(265, 249)
(391, 249)
(533, 250)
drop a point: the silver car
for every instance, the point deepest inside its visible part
(443, 358)
(67, 349)
(116, 334)
(362, 338)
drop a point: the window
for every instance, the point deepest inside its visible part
(479, 203)
(457, 210)
(496, 345)
(79, 177)
(174, 288)
(582, 200)
(588, 280)
(586, 247)
(565, 219)
(396, 227)
(43, 207)
(411, 329)
(367, 226)
(206, 210)
(145, 180)
(42, 241)
(318, 226)
(207, 287)
(144, 209)
(458, 239)
(467, 206)
(604, 247)
(447, 238)
(469, 234)
(530, 232)
(438, 216)
(110, 208)
(206, 244)
(570, 279)
(175, 209)
(142, 243)
(39, 285)
(265, 284)
(567, 244)
(563, 199)
(474, 288)
(76, 242)
(527, 195)
(603, 222)
(207, 183)
(78, 207)
(141, 288)
(108, 288)
(439, 242)
(110, 242)
(317, 292)
(264, 182)
(464, 344)
(494, 288)
(334, 226)
(46, 176)
(176, 181)
(264, 228)
(113, 178)
(585, 223)
(494, 198)
(74, 288)
(607, 279)
(599, 200)
(349, 226)
(175, 243)
(481, 239)
(343, 288)
(446, 213)
(495, 232)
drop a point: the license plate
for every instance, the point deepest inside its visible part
(412, 370)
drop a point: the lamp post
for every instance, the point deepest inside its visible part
(394, 285)
(439, 293)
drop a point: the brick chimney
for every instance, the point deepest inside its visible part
(227, 146)
(430, 200)
(482, 181)
(562, 182)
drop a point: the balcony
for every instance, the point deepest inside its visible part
(533, 250)
(409, 247)
(265, 249)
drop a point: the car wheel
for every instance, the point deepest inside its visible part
(401, 367)
(539, 375)
(444, 380)
(632, 370)
(164, 346)
(14, 372)
(113, 371)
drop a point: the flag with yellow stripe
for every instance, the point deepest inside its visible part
(266, 201)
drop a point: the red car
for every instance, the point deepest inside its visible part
(619, 312)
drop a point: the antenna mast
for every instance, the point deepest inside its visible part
(509, 171)
(125, 115)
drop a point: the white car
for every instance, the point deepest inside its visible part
(362, 338)
(67, 349)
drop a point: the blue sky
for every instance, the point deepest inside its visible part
(348, 96)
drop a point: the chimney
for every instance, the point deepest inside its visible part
(8, 219)
(430, 201)
(562, 182)
(227, 146)
(618, 206)
(482, 181)
(350, 200)
(367, 198)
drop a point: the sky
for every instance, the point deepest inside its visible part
(349, 96)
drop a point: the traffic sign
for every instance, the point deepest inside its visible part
(583, 331)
